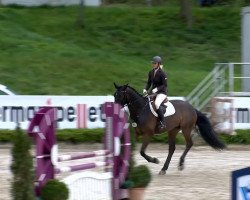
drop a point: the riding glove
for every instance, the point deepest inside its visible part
(145, 92)
(155, 90)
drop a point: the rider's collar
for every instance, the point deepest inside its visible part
(156, 69)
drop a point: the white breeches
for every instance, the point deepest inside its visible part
(159, 99)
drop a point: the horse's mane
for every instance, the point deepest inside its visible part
(135, 91)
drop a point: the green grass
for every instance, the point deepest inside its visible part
(44, 51)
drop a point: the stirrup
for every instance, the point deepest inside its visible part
(162, 125)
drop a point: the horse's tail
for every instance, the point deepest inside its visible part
(207, 132)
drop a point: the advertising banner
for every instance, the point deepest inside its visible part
(230, 113)
(72, 111)
(241, 184)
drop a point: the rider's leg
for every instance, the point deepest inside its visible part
(158, 101)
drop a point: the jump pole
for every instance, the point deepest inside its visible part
(42, 129)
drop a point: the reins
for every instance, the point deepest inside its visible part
(131, 104)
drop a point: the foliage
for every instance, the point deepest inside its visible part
(7, 135)
(242, 137)
(140, 176)
(95, 135)
(45, 47)
(22, 167)
(55, 190)
(65, 135)
(80, 135)
(174, 2)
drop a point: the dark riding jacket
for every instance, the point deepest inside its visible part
(158, 80)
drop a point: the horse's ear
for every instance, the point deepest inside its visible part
(116, 86)
(126, 85)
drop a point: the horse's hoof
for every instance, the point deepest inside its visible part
(180, 167)
(162, 172)
(156, 161)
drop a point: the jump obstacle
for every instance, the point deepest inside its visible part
(42, 130)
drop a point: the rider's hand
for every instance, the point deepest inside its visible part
(155, 90)
(145, 92)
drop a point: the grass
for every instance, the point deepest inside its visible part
(43, 51)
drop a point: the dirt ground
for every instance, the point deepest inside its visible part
(207, 173)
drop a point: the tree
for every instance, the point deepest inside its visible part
(186, 13)
(80, 19)
(148, 2)
(22, 167)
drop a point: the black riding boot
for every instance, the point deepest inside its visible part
(161, 118)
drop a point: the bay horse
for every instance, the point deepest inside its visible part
(185, 119)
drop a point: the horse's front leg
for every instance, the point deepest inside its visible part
(171, 142)
(145, 141)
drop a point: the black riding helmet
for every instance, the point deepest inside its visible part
(156, 59)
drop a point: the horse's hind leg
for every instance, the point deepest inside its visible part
(171, 142)
(145, 141)
(189, 144)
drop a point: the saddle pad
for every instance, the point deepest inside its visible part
(169, 111)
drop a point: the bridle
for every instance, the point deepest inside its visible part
(131, 102)
(127, 100)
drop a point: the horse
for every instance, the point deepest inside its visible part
(185, 119)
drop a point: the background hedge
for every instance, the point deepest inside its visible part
(77, 136)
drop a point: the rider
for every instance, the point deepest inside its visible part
(158, 80)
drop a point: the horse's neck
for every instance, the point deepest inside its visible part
(136, 106)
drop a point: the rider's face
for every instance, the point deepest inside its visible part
(154, 65)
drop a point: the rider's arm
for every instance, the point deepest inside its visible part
(148, 84)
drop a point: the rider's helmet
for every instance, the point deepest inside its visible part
(156, 59)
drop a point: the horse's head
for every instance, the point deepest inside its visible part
(120, 94)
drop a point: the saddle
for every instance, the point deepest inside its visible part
(166, 106)
(152, 98)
